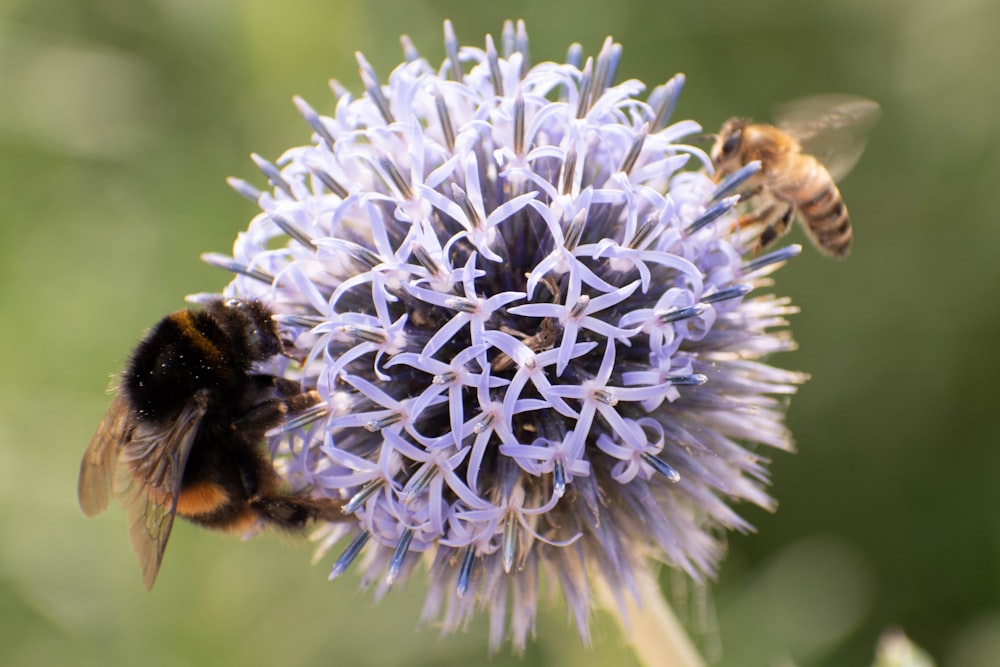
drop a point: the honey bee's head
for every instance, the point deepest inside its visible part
(727, 151)
(249, 325)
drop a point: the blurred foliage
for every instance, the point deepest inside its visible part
(119, 120)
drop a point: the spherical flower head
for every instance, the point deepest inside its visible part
(523, 301)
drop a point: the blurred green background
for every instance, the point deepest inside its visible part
(119, 120)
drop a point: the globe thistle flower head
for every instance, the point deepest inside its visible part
(537, 336)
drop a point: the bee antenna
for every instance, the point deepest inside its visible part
(707, 136)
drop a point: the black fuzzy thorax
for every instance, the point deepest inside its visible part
(186, 352)
(193, 351)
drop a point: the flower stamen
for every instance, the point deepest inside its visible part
(349, 554)
(396, 563)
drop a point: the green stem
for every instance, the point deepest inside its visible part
(649, 625)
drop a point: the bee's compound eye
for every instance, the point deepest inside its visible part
(732, 142)
(234, 303)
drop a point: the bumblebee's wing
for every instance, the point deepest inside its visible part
(149, 481)
(833, 128)
(98, 465)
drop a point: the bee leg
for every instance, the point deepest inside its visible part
(775, 230)
(261, 417)
(259, 482)
(328, 509)
(283, 386)
(773, 221)
(756, 219)
(293, 512)
(284, 511)
(296, 400)
(301, 401)
(290, 391)
(270, 413)
(750, 194)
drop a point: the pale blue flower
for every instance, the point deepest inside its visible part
(539, 345)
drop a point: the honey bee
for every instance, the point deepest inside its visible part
(814, 144)
(184, 434)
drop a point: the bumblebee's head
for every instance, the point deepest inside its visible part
(728, 142)
(250, 323)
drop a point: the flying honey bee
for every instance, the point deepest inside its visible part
(815, 143)
(184, 434)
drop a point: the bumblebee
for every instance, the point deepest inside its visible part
(184, 435)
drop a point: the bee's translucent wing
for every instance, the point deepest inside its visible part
(833, 128)
(149, 479)
(97, 468)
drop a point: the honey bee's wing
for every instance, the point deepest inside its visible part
(833, 128)
(149, 481)
(97, 468)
